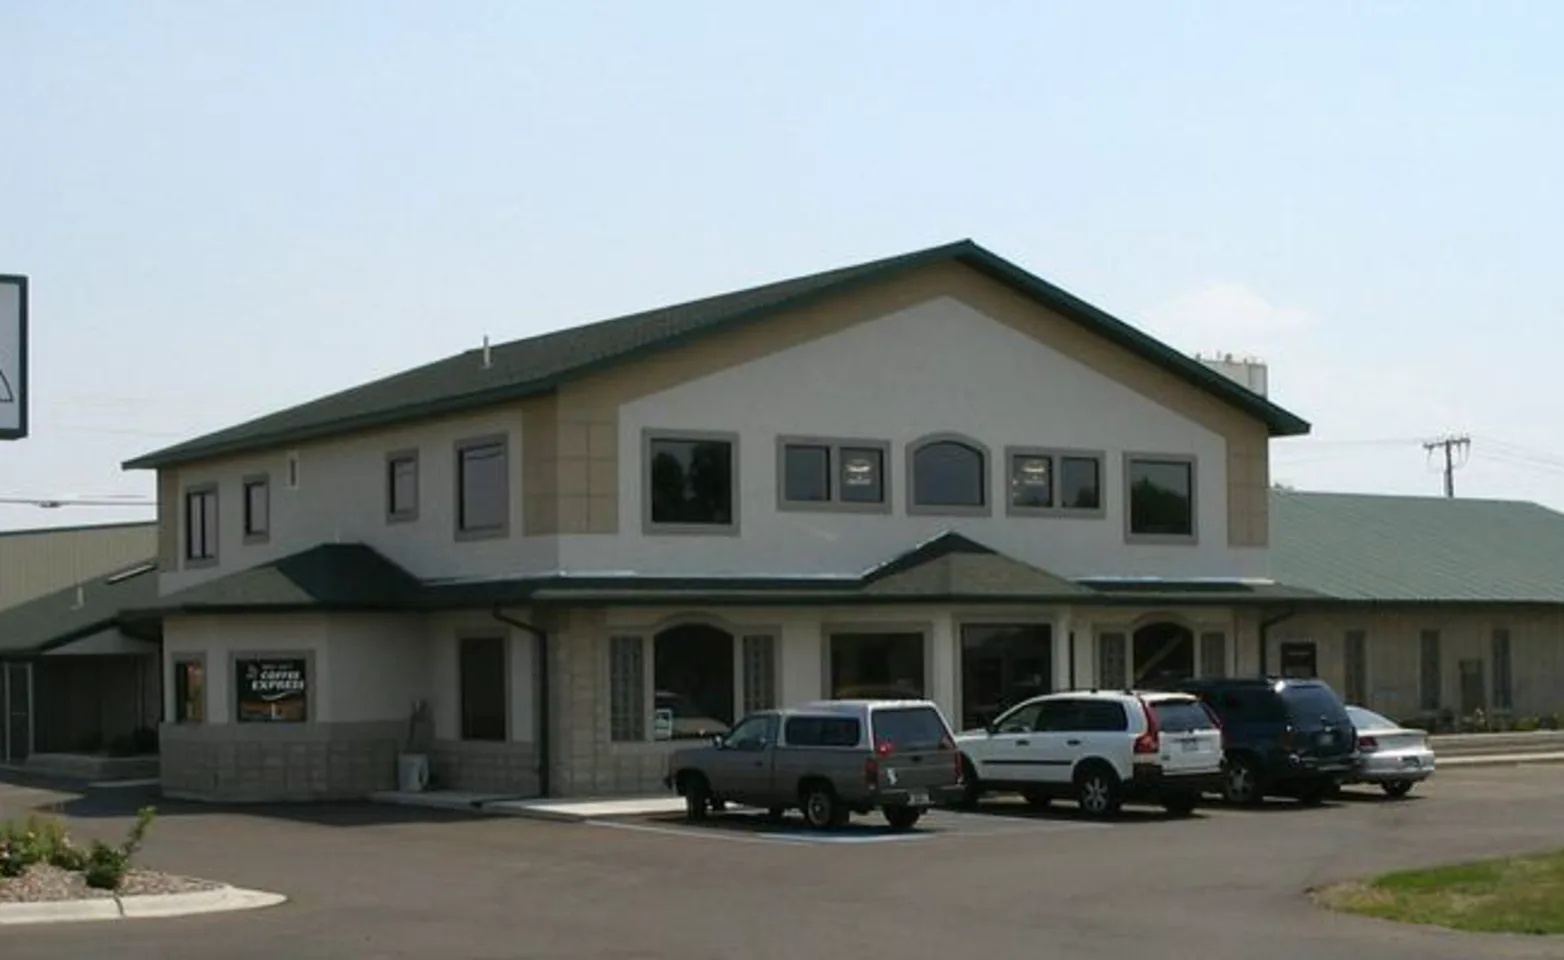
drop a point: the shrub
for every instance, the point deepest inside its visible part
(106, 865)
(1527, 724)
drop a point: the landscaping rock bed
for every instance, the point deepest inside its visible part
(43, 883)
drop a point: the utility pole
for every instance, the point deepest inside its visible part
(1450, 445)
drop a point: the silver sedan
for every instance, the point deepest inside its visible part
(1389, 754)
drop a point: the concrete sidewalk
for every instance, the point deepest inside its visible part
(568, 811)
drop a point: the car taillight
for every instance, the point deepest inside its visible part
(1151, 740)
(1367, 744)
(871, 772)
(947, 742)
(1286, 739)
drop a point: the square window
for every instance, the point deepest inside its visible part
(690, 482)
(862, 474)
(1031, 480)
(1161, 497)
(806, 473)
(1080, 483)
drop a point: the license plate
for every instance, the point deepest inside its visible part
(1326, 739)
(1190, 746)
(918, 798)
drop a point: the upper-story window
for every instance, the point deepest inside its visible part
(402, 486)
(822, 474)
(690, 482)
(948, 474)
(257, 509)
(201, 525)
(1160, 497)
(1065, 483)
(482, 488)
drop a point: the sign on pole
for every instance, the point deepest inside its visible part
(13, 357)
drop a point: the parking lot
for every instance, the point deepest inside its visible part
(1005, 881)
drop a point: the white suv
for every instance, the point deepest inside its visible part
(1102, 748)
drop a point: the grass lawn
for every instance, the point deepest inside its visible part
(1512, 895)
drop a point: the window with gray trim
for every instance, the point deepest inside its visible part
(1503, 681)
(257, 508)
(1055, 482)
(626, 689)
(1161, 497)
(201, 523)
(760, 672)
(949, 473)
(189, 690)
(822, 474)
(1112, 662)
(1430, 671)
(1355, 666)
(402, 485)
(481, 680)
(690, 481)
(1213, 654)
(482, 487)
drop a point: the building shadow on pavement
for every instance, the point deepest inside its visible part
(76, 800)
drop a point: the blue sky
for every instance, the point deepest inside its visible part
(226, 208)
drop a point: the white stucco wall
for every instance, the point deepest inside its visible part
(219, 638)
(937, 367)
(442, 665)
(342, 498)
(378, 666)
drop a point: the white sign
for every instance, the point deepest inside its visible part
(13, 357)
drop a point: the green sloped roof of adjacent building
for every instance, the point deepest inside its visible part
(1417, 549)
(55, 619)
(537, 365)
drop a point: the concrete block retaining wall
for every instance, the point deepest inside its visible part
(275, 762)
(485, 767)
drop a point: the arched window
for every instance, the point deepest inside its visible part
(949, 473)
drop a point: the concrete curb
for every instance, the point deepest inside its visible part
(1499, 759)
(144, 907)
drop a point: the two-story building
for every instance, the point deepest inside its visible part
(544, 562)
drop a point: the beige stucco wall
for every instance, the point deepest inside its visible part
(34, 563)
(1393, 647)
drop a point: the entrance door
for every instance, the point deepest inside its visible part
(18, 685)
(1002, 665)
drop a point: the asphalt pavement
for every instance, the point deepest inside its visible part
(1226, 884)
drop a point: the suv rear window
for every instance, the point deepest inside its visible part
(1308, 702)
(1181, 716)
(909, 728)
(821, 732)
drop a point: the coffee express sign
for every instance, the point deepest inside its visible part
(273, 689)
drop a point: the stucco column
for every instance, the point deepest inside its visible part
(943, 678)
(803, 661)
(1062, 650)
(1085, 652)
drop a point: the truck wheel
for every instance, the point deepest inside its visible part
(822, 811)
(902, 818)
(697, 796)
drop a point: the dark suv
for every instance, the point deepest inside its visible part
(1287, 737)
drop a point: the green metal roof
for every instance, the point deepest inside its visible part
(58, 618)
(538, 365)
(331, 576)
(1417, 549)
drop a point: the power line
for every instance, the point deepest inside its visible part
(1450, 445)
(52, 503)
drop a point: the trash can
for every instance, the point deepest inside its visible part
(412, 772)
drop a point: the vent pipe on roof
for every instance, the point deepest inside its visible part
(486, 360)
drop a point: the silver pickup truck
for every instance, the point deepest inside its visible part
(829, 759)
